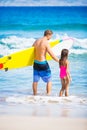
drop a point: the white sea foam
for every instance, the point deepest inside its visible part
(12, 44)
(79, 45)
(46, 99)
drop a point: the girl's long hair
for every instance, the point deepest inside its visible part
(64, 56)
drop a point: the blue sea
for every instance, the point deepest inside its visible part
(19, 28)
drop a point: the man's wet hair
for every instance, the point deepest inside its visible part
(48, 32)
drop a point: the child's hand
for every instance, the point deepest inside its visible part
(70, 79)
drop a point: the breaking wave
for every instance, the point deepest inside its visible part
(14, 43)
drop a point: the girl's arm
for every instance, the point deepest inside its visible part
(68, 70)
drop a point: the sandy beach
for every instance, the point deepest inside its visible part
(41, 123)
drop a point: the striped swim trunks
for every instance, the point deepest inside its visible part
(42, 70)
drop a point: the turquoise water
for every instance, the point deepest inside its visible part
(19, 28)
(19, 20)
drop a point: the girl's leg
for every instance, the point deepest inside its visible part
(63, 87)
(67, 86)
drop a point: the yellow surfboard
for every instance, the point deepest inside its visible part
(22, 58)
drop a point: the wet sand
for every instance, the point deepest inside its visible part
(9, 122)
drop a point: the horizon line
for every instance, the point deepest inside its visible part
(43, 5)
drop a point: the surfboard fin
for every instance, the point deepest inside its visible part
(6, 69)
(9, 57)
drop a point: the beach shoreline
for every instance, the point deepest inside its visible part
(15, 122)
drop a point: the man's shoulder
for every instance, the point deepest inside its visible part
(39, 40)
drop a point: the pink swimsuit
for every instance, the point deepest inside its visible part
(63, 72)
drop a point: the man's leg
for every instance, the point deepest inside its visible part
(48, 88)
(36, 79)
(34, 86)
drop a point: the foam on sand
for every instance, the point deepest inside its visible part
(46, 99)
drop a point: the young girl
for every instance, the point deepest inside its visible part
(64, 72)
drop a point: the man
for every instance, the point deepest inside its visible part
(41, 67)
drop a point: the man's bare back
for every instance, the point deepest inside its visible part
(40, 49)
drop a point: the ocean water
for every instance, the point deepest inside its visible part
(19, 28)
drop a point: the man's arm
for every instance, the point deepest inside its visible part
(49, 50)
